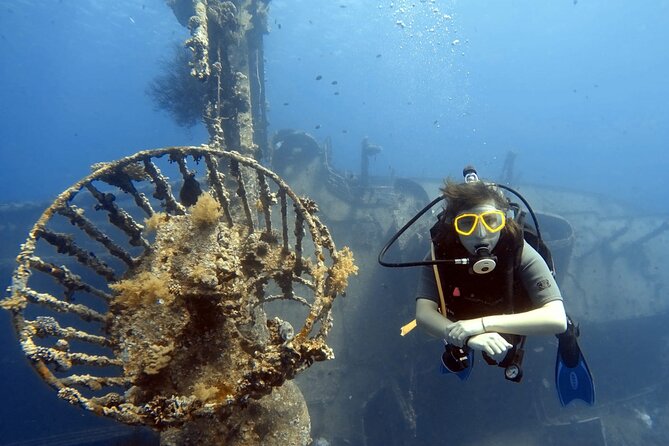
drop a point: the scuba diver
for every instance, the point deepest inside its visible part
(488, 282)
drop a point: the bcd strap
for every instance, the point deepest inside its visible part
(442, 301)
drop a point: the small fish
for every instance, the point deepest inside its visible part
(336, 93)
(378, 55)
(317, 126)
(319, 77)
(286, 103)
(344, 131)
(132, 20)
(278, 25)
(334, 82)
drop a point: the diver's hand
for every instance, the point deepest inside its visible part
(460, 331)
(491, 343)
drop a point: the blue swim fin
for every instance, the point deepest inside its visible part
(573, 379)
(457, 361)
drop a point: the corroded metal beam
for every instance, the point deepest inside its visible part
(227, 56)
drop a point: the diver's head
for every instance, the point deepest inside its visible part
(478, 213)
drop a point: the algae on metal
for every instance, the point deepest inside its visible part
(185, 326)
(175, 320)
(227, 47)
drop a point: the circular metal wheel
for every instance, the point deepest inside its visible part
(154, 306)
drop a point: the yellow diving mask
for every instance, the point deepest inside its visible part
(493, 221)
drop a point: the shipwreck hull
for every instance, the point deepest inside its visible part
(388, 388)
(379, 378)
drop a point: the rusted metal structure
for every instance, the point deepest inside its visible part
(227, 48)
(172, 310)
(167, 329)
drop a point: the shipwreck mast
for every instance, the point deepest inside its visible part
(227, 45)
(175, 310)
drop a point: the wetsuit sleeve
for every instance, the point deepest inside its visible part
(537, 278)
(427, 287)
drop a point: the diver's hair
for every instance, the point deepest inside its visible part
(462, 196)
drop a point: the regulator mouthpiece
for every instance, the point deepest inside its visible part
(485, 261)
(470, 174)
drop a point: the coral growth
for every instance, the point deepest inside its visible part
(204, 392)
(343, 267)
(177, 92)
(152, 223)
(207, 211)
(143, 289)
(156, 357)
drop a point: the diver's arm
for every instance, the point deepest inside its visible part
(437, 325)
(430, 319)
(547, 319)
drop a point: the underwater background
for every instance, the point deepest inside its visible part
(576, 89)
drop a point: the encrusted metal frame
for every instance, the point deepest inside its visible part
(247, 193)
